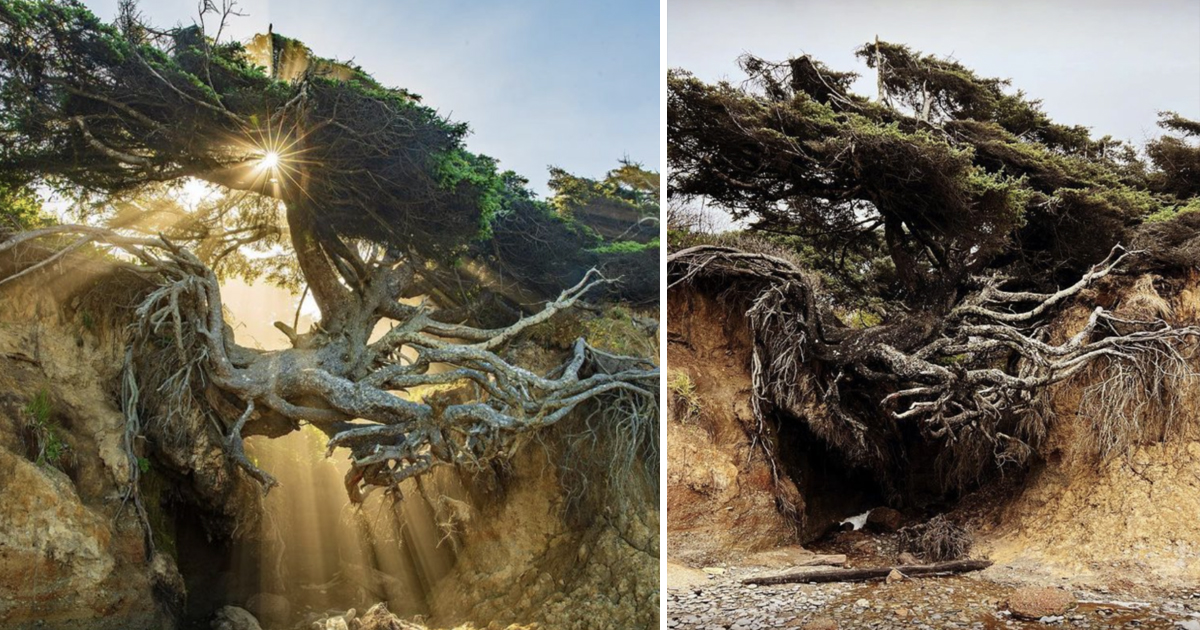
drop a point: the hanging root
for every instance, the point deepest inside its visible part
(974, 378)
(237, 452)
(1137, 397)
(610, 450)
(184, 363)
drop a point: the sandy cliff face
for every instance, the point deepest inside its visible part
(1130, 516)
(72, 553)
(1125, 521)
(721, 498)
(523, 559)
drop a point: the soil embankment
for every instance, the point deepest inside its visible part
(1117, 531)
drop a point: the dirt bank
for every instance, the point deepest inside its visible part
(1110, 524)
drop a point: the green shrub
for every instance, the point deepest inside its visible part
(1170, 212)
(49, 443)
(684, 398)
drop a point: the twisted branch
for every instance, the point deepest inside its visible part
(358, 393)
(963, 377)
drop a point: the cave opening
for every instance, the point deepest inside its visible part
(310, 552)
(832, 488)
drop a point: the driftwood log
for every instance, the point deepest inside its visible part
(872, 573)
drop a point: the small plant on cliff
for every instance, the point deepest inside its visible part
(47, 441)
(684, 398)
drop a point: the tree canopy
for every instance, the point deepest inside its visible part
(945, 174)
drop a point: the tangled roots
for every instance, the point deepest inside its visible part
(936, 540)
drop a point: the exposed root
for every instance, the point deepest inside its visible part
(354, 389)
(972, 377)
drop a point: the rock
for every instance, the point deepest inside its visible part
(824, 623)
(234, 618)
(378, 618)
(272, 609)
(884, 519)
(907, 558)
(336, 623)
(893, 577)
(713, 570)
(862, 603)
(1035, 602)
(168, 581)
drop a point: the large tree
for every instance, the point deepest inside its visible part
(918, 244)
(359, 193)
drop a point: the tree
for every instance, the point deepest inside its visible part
(371, 193)
(610, 225)
(951, 210)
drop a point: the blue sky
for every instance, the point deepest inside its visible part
(573, 84)
(1107, 64)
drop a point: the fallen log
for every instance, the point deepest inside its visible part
(873, 573)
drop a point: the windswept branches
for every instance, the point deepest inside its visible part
(109, 109)
(947, 175)
(1177, 156)
(973, 380)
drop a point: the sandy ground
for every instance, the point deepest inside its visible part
(701, 600)
(714, 598)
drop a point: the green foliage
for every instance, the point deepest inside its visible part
(155, 489)
(626, 247)
(628, 186)
(40, 407)
(88, 320)
(684, 396)
(91, 109)
(862, 318)
(616, 331)
(546, 250)
(1176, 157)
(459, 167)
(20, 209)
(904, 198)
(1170, 212)
(50, 446)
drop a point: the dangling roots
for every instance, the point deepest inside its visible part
(974, 378)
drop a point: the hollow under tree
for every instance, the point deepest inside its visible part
(372, 192)
(912, 249)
